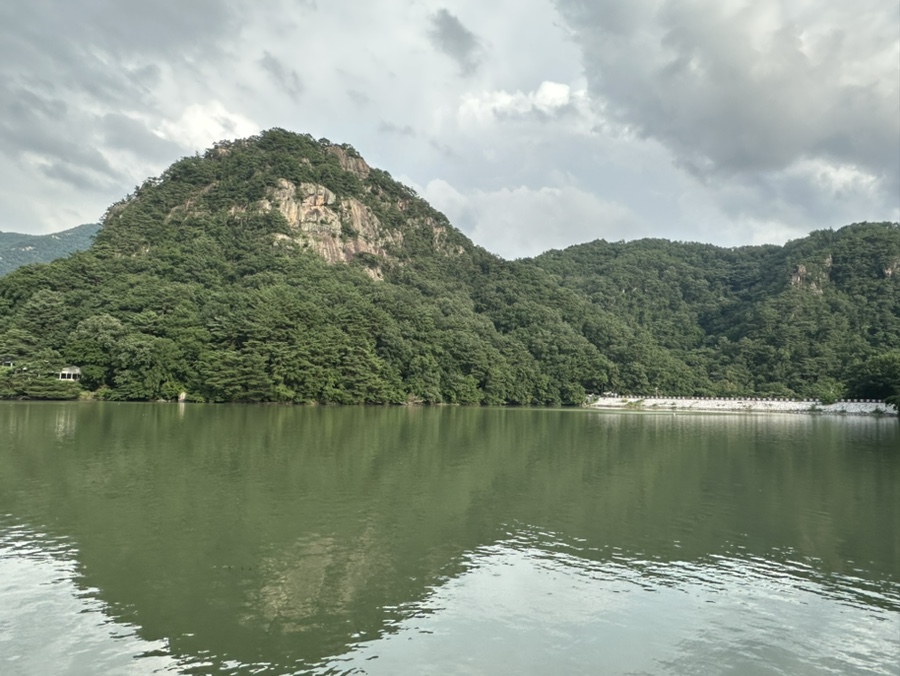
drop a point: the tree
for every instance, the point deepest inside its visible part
(93, 346)
(878, 378)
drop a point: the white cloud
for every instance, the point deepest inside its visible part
(447, 199)
(486, 107)
(520, 222)
(838, 180)
(201, 125)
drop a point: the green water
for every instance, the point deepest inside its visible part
(239, 539)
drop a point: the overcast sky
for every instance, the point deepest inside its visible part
(533, 124)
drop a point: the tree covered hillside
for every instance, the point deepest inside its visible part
(17, 249)
(802, 319)
(280, 268)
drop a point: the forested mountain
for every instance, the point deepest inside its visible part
(803, 319)
(280, 268)
(18, 249)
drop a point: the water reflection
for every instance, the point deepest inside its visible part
(51, 625)
(553, 611)
(281, 540)
(532, 603)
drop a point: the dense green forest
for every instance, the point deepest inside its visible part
(280, 268)
(17, 249)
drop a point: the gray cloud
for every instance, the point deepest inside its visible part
(704, 120)
(396, 130)
(284, 77)
(76, 176)
(76, 78)
(35, 124)
(751, 90)
(122, 27)
(23, 104)
(126, 133)
(107, 49)
(105, 52)
(443, 149)
(358, 97)
(449, 36)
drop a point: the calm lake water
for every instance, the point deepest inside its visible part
(141, 538)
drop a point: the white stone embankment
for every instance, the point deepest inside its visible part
(851, 407)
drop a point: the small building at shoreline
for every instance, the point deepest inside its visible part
(69, 373)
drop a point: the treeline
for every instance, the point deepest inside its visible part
(294, 330)
(187, 289)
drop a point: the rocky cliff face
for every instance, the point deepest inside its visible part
(814, 281)
(336, 229)
(350, 162)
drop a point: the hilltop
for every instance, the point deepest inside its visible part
(281, 268)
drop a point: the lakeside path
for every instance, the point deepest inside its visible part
(634, 403)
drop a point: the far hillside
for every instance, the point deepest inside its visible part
(803, 318)
(17, 249)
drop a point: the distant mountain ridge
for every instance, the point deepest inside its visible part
(280, 268)
(18, 249)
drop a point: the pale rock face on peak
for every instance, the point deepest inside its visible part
(338, 230)
(312, 193)
(354, 164)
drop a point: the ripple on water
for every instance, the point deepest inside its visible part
(532, 603)
(50, 625)
(535, 604)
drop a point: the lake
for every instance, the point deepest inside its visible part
(200, 539)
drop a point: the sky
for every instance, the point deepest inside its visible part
(533, 124)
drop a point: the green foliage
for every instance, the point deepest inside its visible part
(185, 290)
(17, 249)
(34, 376)
(878, 378)
(797, 320)
(894, 401)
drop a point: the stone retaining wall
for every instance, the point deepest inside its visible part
(852, 406)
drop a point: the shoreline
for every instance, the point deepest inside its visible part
(862, 407)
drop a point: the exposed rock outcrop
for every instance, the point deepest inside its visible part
(815, 282)
(336, 229)
(351, 162)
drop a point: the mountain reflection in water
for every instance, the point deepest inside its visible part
(531, 605)
(217, 539)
